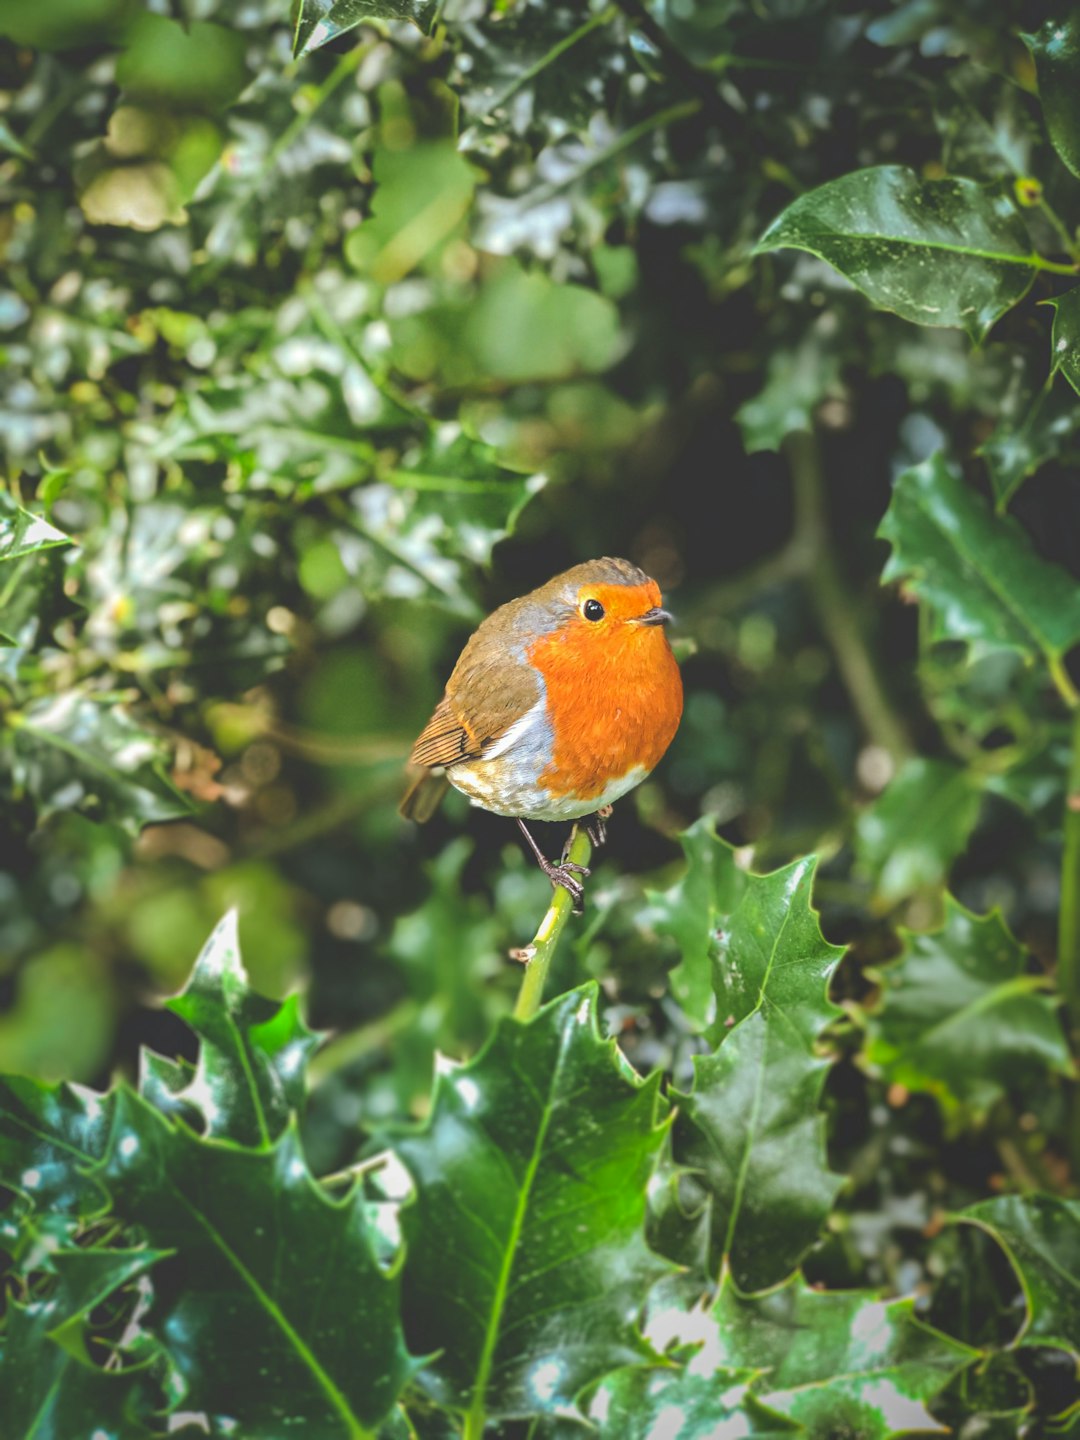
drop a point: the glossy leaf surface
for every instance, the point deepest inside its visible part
(317, 22)
(979, 573)
(846, 1362)
(910, 836)
(23, 534)
(938, 252)
(961, 1017)
(1041, 1236)
(252, 1053)
(1056, 50)
(645, 1404)
(526, 1262)
(1065, 339)
(313, 1324)
(49, 1136)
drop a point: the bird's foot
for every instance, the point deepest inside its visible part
(596, 825)
(564, 876)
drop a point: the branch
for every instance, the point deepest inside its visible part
(538, 955)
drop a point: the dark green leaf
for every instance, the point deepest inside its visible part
(798, 380)
(317, 22)
(1041, 1236)
(278, 1306)
(77, 752)
(49, 1136)
(842, 1363)
(979, 572)
(960, 1017)
(1065, 338)
(910, 836)
(526, 1264)
(198, 67)
(1056, 49)
(689, 912)
(1044, 429)
(252, 1052)
(938, 252)
(22, 533)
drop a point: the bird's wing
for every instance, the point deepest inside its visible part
(481, 703)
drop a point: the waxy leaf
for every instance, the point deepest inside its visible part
(692, 1403)
(317, 22)
(22, 533)
(49, 1136)
(838, 1363)
(689, 912)
(1056, 51)
(938, 252)
(1065, 337)
(526, 1263)
(252, 1054)
(75, 752)
(1041, 1236)
(960, 1017)
(278, 1305)
(913, 832)
(979, 572)
(750, 1127)
(1022, 443)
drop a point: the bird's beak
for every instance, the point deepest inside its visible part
(655, 616)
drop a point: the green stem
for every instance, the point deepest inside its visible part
(1053, 267)
(542, 949)
(1069, 922)
(603, 18)
(1061, 229)
(837, 612)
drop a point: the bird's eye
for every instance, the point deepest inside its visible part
(592, 610)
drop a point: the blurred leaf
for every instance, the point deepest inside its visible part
(526, 1261)
(979, 572)
(77, 752)
(842, 1363)
(49, 1136)
(937, 252)
(750, 1128)
(1056, 51)
(1041, 1236)
(689, 912)
(199, 67)
(907, 840)
(960, 1017)
(61, 1023)
(22, 533)
(278, 1306)
(1065, 338)
(641, 1403)
(986, 125)
(519, 327)
(799, 378)
(1021, 443)
(317, 22)
(421, 196)
(252, 1053)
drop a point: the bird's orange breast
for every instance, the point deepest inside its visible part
(614, 698)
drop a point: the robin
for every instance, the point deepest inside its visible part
(560, 702)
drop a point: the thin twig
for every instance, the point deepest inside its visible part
(547, 937)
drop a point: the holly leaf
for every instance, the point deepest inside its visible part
(839, 1362)
(49, 1137)
(24, 534)
(648, 1403)
(277, 1305)
(689, 912)
(316, 22)
(979, 572)
(937, 252)
(921, 823)
(253, 1053)
(1041, 1236)
(960, 1017)
(750, 1127)
(797, 380)
(1023, 442)
(1056, 52)
(1065, 336)
(422, 194)
(550, 1137)
(77, 752)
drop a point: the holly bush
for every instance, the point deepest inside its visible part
(323, 333)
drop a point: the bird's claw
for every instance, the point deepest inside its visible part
(565, 876)
(595, 826)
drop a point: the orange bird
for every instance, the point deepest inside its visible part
(560, 702)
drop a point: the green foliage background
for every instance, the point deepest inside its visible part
(323, 333)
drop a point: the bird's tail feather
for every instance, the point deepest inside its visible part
(424, 795)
